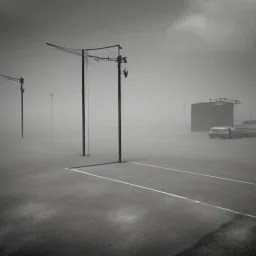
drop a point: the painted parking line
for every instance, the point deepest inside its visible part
(163, 192)
(194, 173)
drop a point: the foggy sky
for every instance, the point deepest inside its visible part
(180, 51)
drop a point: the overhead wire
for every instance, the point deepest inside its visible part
(92, 49)
(10, 78)
(78, 52)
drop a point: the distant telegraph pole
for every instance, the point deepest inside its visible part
(21, 81)
(52, 95)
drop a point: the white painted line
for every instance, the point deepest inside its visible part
(195, 173)
(162, 192)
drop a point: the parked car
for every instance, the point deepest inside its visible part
(248, 132)
(224, 132)
(248, 128)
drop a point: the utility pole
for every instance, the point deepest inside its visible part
(52, 95)
(119, 60)
(22, 92)
(21, 81)
(83, 105)
(87, 106)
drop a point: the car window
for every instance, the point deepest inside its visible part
(220, 130)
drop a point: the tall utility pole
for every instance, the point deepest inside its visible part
(87, 112)
(21, 81)
(52, 95)
(119, 60)
(83, 105)
(22, 92)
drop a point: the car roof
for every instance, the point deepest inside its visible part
(250, 122)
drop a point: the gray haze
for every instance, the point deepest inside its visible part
(179, 52)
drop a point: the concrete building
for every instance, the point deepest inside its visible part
(216, 112)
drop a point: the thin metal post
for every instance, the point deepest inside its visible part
(83, 105)
(119, 59)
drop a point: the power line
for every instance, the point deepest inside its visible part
(90, 49)
(10, 78)
(80, 52)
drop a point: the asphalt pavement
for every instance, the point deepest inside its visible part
(128, 208)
